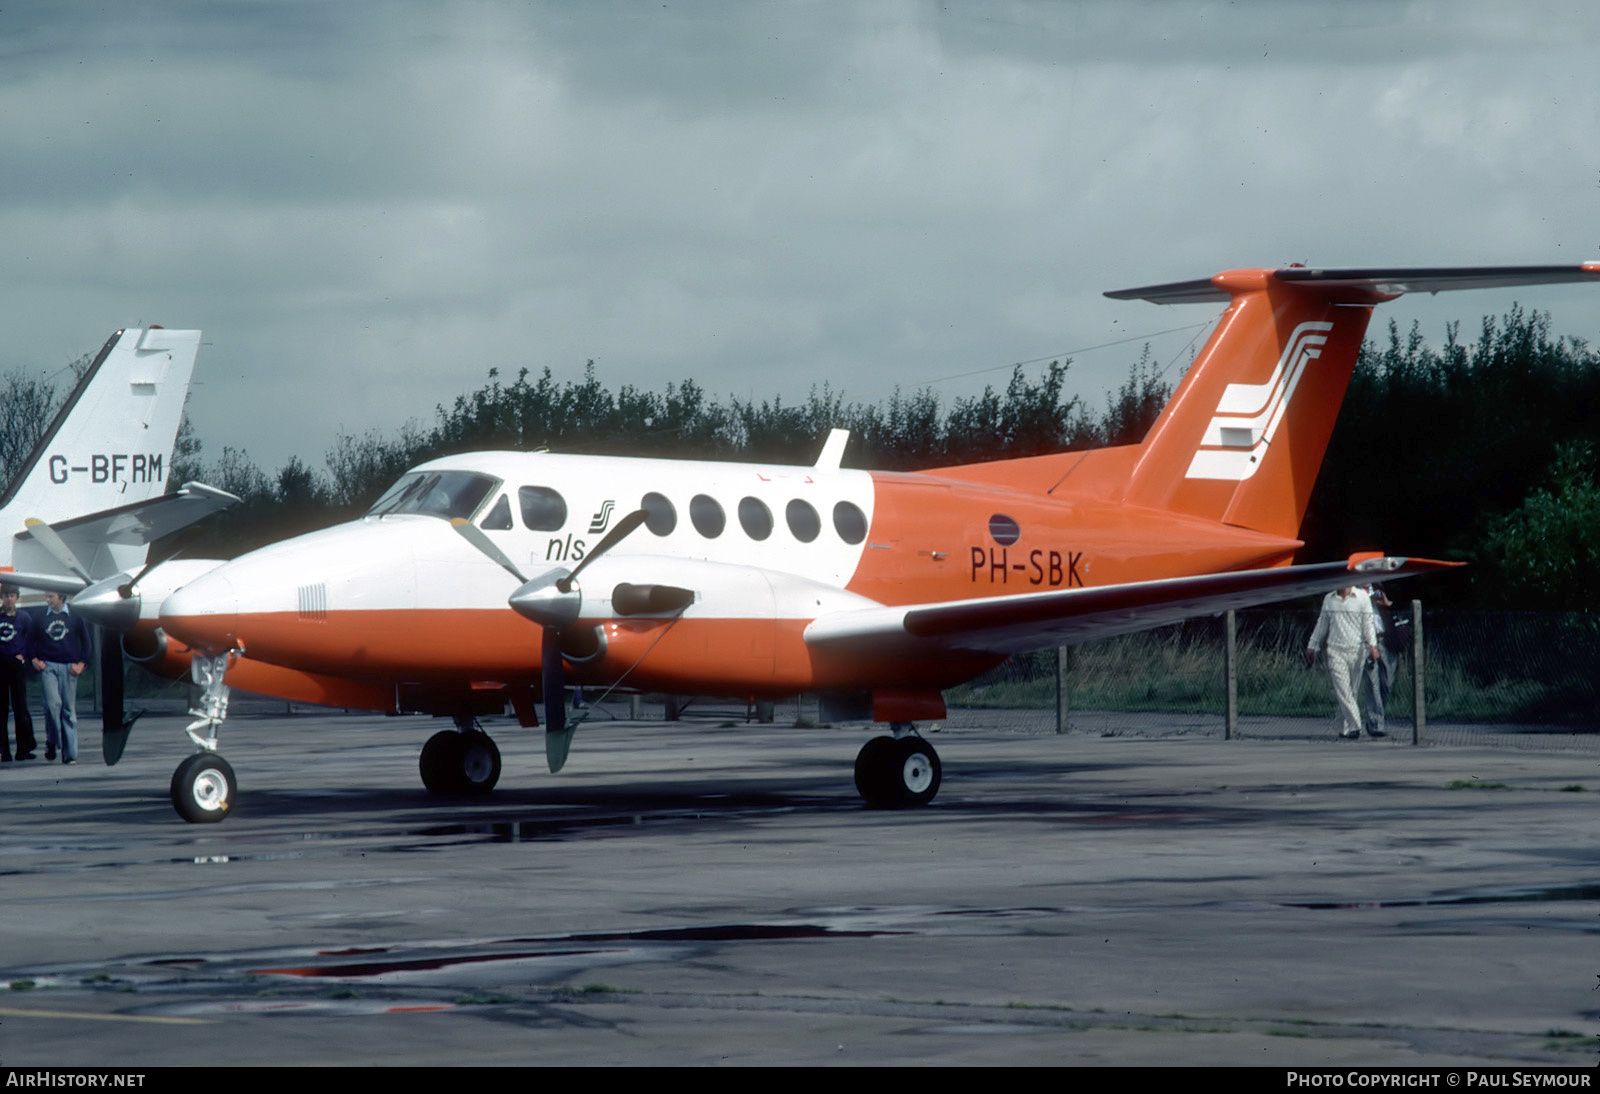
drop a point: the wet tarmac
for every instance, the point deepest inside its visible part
(710, 892)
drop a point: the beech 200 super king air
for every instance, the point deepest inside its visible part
(92, 494)
(503, 576)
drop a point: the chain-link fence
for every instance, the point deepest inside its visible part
(1522, 678)
(1527, 678)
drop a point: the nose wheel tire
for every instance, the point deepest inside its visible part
(454, 763)
(897, 773)
(204, 788)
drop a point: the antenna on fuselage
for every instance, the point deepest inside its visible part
(833, 450)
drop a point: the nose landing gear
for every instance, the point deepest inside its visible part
(204, 788)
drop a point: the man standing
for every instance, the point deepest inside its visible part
(61, 648)
(1377, 675)
(16, 631)
(1345, 628)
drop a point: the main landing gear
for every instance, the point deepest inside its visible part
(897, 772)
(461, 761)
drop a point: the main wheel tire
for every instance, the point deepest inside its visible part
(914, 773)
(204, 788)
(872, 766)
(479, 768)
(441, 762)
(454, 763)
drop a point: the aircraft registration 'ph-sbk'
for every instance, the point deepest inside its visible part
(498, 577)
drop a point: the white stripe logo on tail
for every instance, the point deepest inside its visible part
(1248, 415)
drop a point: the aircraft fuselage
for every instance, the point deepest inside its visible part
(398, 596)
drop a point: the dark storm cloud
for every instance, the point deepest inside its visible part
(367, 205)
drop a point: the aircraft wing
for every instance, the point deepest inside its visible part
(1030, 621)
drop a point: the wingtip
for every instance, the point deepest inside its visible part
(1376, 562)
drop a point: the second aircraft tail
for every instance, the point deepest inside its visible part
(111, 443)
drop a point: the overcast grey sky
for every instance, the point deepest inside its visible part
(366, 205)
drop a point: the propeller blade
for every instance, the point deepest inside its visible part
(474, 535)
(557, 743)
(46, 583)
(113, 729)
(52, 542)
(553, 681)
(169, 552)
(624, 528)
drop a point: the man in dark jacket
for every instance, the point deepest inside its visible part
(16, 628)
(61, 648)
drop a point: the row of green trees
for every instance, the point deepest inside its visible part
(905, 432)
(1483, 451)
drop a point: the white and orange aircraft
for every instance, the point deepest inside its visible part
(498, 577)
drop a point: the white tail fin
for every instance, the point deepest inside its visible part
(111, 443)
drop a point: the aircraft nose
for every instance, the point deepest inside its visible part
(203, 614)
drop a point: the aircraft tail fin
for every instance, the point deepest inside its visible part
(111, 442)
(1242, 438)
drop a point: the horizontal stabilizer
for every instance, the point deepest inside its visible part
(1013, 624)
(1370, 286)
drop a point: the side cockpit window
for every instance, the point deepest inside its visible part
(499, 518)
(543, 510)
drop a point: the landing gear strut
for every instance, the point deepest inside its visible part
(460, 761)
(204, 787)
(897, 772)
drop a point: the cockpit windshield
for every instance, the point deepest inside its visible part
(446, 494)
